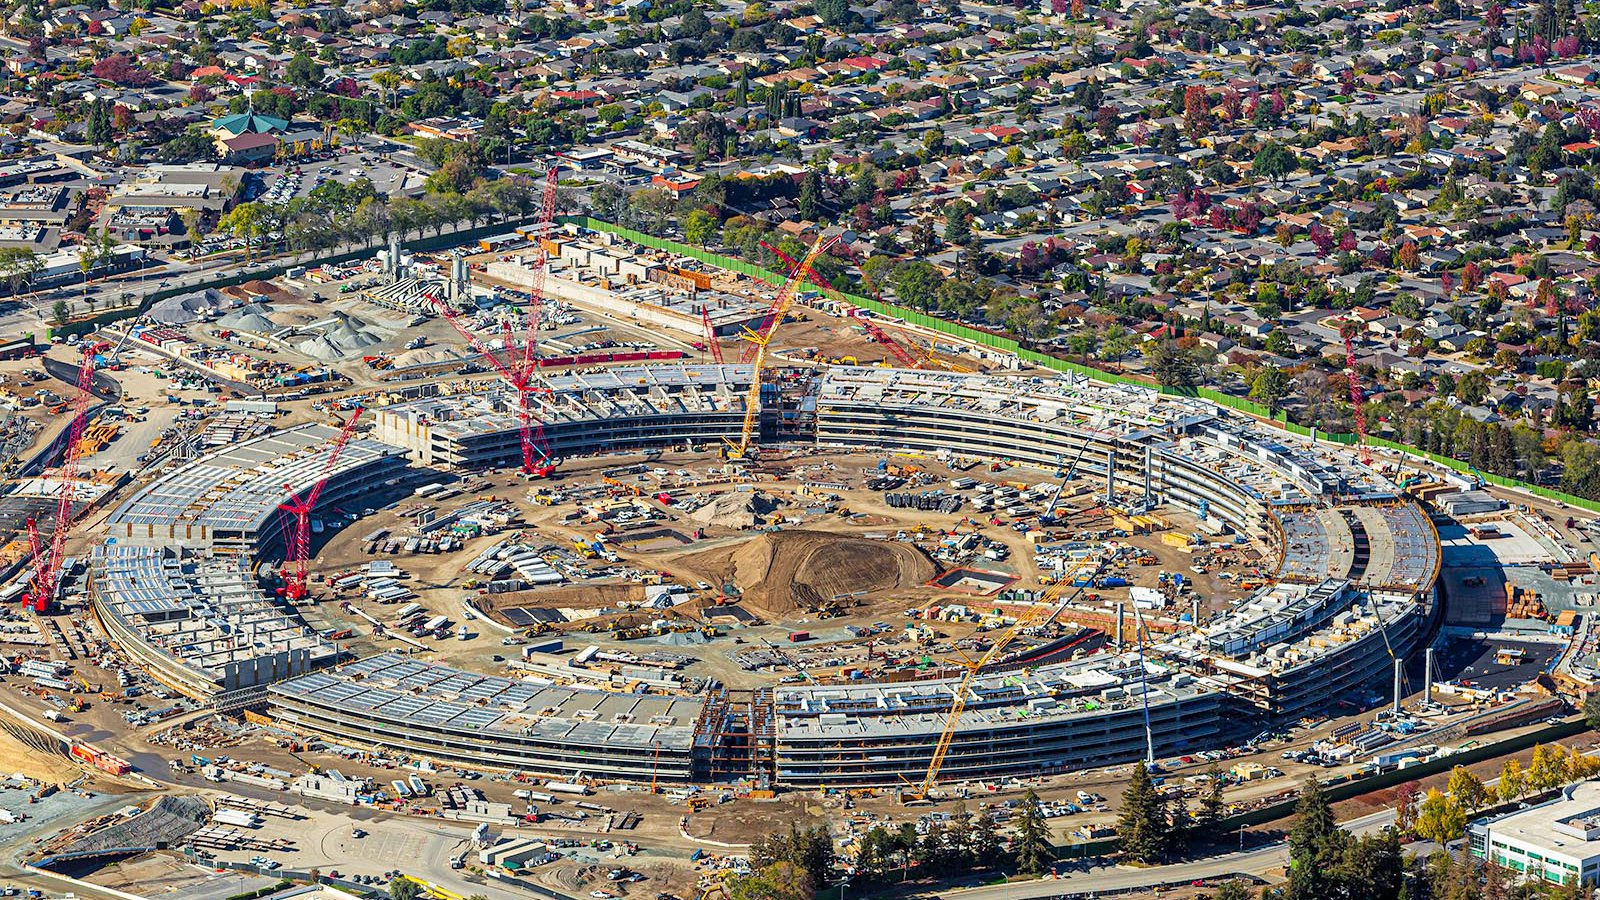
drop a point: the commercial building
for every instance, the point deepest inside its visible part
(587, 412)
(229, 500)
(175, 584)
(1555, 841)
(464, 718)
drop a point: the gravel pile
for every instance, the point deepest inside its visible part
(181, 309)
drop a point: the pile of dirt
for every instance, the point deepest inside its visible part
(791, 571)
(321, 348)
(738, 509)
(426, 356)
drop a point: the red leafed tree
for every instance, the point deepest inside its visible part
(1322, 239)
(1471, 277)
(120, 69)
(1196, 111)
(1406, 257)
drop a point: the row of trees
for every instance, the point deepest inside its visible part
(797, 863)
(336, 213)
(1153, 828)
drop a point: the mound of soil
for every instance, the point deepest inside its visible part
(736, 509)
(789, 571)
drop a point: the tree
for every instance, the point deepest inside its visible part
(777, 881)
(1548, 768)
(18, 266)
(404, 889)
(1233, 890)
(1405, 805)
(1271, 386)
(1212, 807)
(1314, 823)
(1273, 161)
(916, 283)
(246, 222)
(1467, 789)
(810, 851)
(810, 203)
(1278, 343)
(1591, 710)
(1142, 830)
(699, 226)
(58, 313)
(1440, 818)
(1033, 850)
(1513, 784)
(1172, 366)
(985, 840)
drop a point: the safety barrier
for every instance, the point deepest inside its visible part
(983, 338)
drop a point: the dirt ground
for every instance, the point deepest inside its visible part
(17, 757)
(787, 572)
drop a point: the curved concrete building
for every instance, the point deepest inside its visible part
(1356, 564)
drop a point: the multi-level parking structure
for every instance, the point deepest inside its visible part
(176, 583)
(1357, 566)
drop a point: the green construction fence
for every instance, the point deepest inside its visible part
(1008, 345)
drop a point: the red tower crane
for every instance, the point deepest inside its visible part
(523, 355)
(901, 354)
(711, 335)
(1348, 331)
(297, 541)
(48, 558)
(536, 460)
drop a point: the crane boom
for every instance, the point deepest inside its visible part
(1045, 610)
(712, 343)
(536, 459)
(901, 354)
(762, 339)
(1348, 332)
(297, 545)
(49, 558)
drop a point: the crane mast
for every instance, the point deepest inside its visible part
(49, 557)
(1348, 332)
(297, 543)
(759, 341)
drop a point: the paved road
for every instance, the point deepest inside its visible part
(1105, 878)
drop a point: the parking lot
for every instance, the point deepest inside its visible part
(283, 185)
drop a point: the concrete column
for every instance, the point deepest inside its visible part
(1194, 612)
(1119, 626)
(1427, 675)
(1399, 680)
(1148, 456)
(1111, 474)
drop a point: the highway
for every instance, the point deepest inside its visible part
(1105, 878)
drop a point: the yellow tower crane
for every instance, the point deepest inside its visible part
(1042, 611)
(762, 339)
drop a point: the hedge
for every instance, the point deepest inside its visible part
(1008, 345)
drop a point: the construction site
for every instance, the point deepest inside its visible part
(763, 556)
